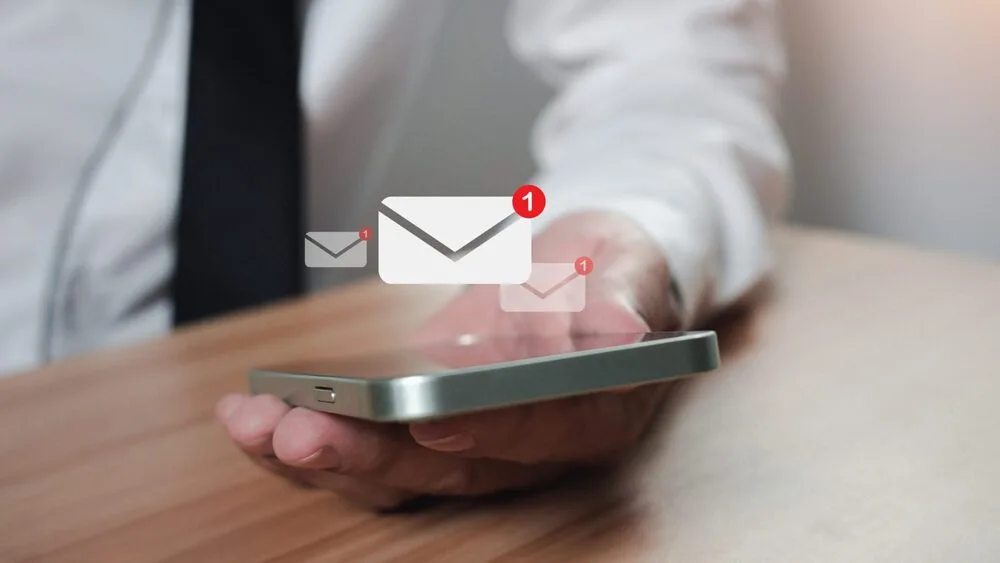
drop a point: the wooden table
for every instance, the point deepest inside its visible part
(857, 418)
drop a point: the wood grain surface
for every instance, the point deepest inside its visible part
(856, 418)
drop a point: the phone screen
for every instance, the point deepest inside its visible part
(467, 353)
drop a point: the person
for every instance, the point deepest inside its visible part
(127, 150)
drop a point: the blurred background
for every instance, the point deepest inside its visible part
(892, 113)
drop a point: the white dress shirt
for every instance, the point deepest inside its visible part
(664, 111)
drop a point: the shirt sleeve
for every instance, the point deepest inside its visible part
(664, 112)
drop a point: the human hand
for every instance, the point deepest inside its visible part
(381, 465)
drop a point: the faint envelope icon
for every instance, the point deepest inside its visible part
(551, 288)
(337, 249)
(452, 240)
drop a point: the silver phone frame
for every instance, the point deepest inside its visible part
(417, 397)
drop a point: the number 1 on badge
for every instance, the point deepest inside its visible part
(529, 201)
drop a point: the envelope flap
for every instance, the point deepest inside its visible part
(545, 276)
(454, 221)
(335, 241)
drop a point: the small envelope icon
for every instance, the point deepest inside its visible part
(452, 240)
(336, 250)
(551, 288)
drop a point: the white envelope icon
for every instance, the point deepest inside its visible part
(335, 250)
(551, 288)
(452, 240)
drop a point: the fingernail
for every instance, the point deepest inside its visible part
(228, 405)
(326, 457)
(441, 438)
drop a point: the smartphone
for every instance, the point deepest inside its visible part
(468, 375)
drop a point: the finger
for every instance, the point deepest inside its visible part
(387, 455)
(228, 405)
(630, 271)
(253, 422)
(608, 314)
(633, 293)
(352, 489)
(578, 428)
(273, 465)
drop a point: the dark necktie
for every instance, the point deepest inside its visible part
(240, 212)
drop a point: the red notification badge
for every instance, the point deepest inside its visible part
(529, 201)
(584, 265)
(365, 233)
